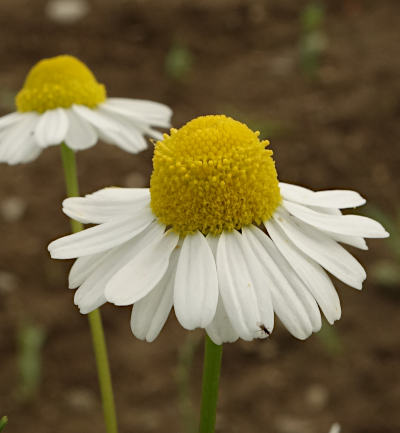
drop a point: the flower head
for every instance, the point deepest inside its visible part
(59, 82)
(214, 174)
(61, 101)
(217, 238)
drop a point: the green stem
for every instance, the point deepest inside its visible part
(96, 327)
(211, 373)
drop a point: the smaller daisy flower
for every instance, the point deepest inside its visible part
(61, 101)
(217, 238)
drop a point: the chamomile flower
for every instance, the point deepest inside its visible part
(217, 238)
(61, 101)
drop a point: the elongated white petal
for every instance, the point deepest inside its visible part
(351, 225)
(95, 210)
(243, 290)
(292, 302)
(94, 299)
(340, 198)
(321, 248)
(220, 330)
(11, 119)
(135, 124)
(81, 134)
(138, 277)
(95, 118)
(355, 241)
(120, 194)
(100, 238)
(51, 128)
(25, 151)
(129, 135)
(196, 283)
(91, 293)
(153, 113)
(307, 300)
(313, 276)
(333, 198)
(82, 268)
(17, 144)
(151, 312)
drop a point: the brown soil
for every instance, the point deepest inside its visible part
(340, 130)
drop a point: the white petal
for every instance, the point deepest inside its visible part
(17, 144)
(351, 225)
(333, 198)
(355, 241)
(151, 312)
(119, 194)
(95, 118)
(100, 238)
(196, 283)
(220, 330)
(96, 210)
(153, 113)
(82, 268)
(51, 128)
(313, 276)
(137, 278)
(292, 302)
(81, 134)
(129, 135)
(11, 119)
(242, 286)
(113, 130)
(91, 293)
(324, 250)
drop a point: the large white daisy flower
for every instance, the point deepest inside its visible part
(61, 101)
(217, 238)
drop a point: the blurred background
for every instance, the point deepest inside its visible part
(321, 81)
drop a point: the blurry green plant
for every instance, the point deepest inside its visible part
(268, 128)
(183, 375)
(313, 41)
(3, 422)
(178, 62)
(30, 343)
(386, 272)
(330, 340)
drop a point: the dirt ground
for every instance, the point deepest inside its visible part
(338, 130)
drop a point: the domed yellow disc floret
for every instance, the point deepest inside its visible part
(59, 82)
(211, 175)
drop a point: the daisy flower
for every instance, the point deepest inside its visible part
(217, 238)
(61, 101)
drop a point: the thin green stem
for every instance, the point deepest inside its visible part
(211, 373)
(96, 327)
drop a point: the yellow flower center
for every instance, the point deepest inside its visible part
(211, 175)
(59, 82)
